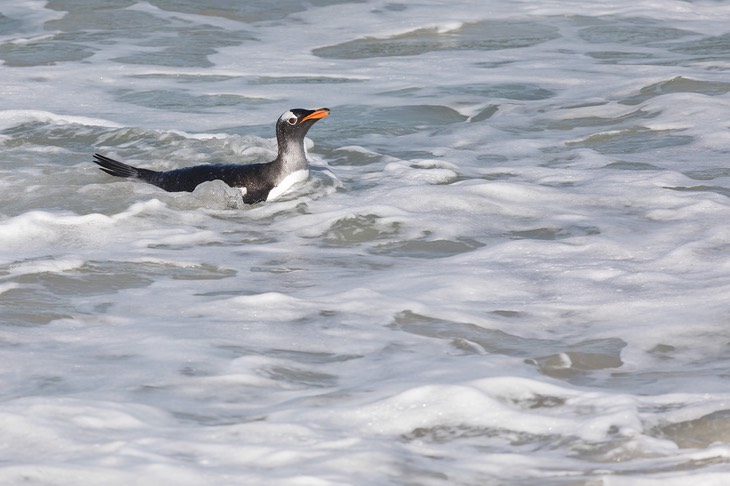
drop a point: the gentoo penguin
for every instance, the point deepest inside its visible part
(258, 182)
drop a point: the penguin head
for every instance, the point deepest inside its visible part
(295, 123)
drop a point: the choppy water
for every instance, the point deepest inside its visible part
(510, 264)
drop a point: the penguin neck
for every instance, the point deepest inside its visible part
(291, 168)
(292, 156)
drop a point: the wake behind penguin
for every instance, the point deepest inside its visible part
(258, 182)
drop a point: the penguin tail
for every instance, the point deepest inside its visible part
(120, 169)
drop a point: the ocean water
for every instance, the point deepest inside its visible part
(510, 264)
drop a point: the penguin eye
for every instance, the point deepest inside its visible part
(292, 120)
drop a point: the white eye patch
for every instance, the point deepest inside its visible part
(290, 118)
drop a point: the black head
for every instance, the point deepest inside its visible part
(295, 123)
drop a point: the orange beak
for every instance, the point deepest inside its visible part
(316, 115)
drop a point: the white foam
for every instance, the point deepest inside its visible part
(12, 118)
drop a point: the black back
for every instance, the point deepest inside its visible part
(258, 179)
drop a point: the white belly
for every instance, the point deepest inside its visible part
(293, 179)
